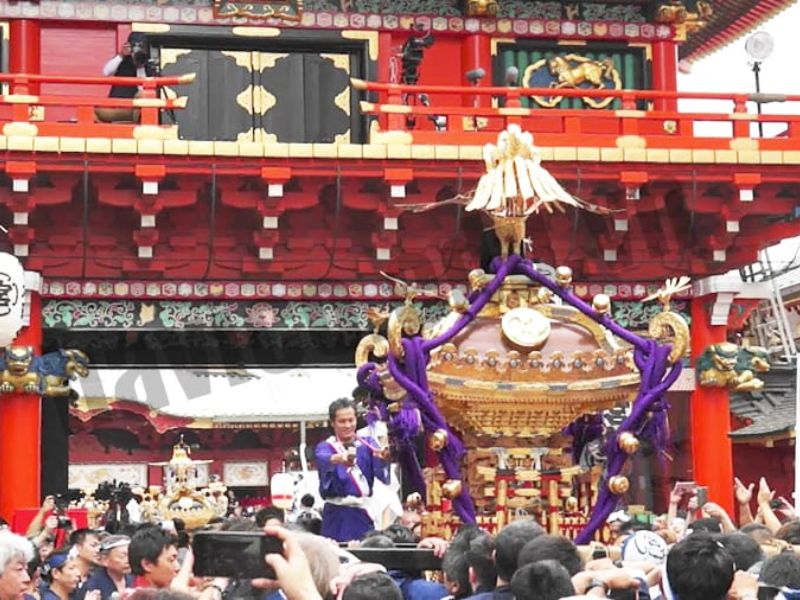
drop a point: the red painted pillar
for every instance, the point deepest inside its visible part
(24, 50)
(712, 452)
(665, 72)
(21, 431)
(476, 53)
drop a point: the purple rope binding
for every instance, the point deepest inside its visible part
(411, 373)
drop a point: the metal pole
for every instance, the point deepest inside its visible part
(757, 73)
(796, 429)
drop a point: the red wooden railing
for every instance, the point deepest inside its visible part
(23, 104)
(661, 124)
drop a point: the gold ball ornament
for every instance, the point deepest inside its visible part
(477, 279)
(458, 301)
(619, 484)
(563, 276)
(438, 440)
(602, 304)
(451, 488)
(628, 442)
(414, 500)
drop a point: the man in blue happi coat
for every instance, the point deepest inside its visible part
(348, 465)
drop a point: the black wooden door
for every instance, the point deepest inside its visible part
(243, 95)
(309, 97)
(220, 103)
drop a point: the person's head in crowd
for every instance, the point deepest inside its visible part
(508, 544)
(700, 568)
(156, 594)
(745, 550)
(63, 573)
(239, 524)
(309, 522)
(482, 570)
(15, 553)
(46, 547)
(153, 555)
(323, 559)
(551, 547)
(456, 573)
(758, 531)
(778, 574)
(342, 413)
(412, 520)
(35, 574)
(114, 555)
(86, 545)
(704, 525)
(542, 580)
(371, 587)
(377, 540)
(307, 501)
(790, 532)
(270, 515)
(400, 534)
(616, 520)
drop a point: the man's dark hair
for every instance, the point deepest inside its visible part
(705, 525)
(456, 570)
(781, 570)
(269, 512)
(377, 541)
(634, 526)
(309, 522)
(307, 501)
(745, 550)
(338, 405)
(789, 532)
(509, 542)
(148, 544)
(551, 547)
(371, 587)
(758, 531)
(480, 560)
(400, 534)
(543, 580)
(700, 568)
(78, 537)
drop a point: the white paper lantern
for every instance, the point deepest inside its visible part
(281, 488)
(12, 296)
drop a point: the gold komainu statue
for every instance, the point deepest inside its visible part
(734, 367)
(21, 371)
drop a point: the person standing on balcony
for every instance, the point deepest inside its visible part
(133, 60)
(348, 465)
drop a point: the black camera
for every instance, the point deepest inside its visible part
(64, 523)
(140, 54)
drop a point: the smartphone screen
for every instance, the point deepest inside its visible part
(234, 554)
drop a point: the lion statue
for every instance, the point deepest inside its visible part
(734, 367)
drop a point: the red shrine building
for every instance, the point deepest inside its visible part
(216, 253)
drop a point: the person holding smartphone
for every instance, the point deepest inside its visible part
(348, 465)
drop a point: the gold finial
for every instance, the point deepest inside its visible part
(410, 290)
(672, 286)
(377, 318)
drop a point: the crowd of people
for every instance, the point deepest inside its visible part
(693, 552)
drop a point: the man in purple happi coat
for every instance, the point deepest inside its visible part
(348, 465)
